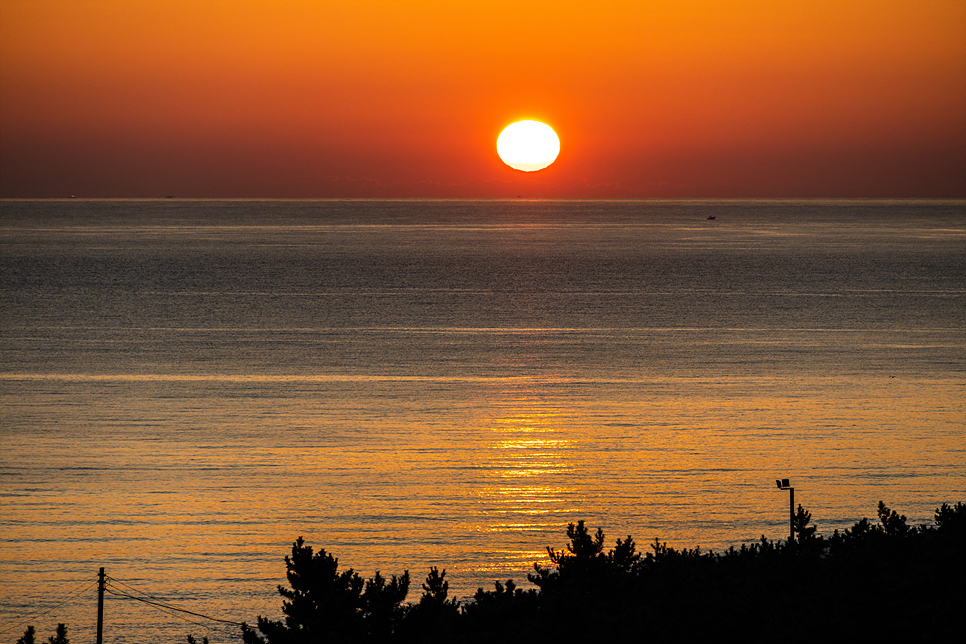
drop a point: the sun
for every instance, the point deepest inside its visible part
(528, 145)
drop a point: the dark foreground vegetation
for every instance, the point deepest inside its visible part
(884, 580)
(30, 636)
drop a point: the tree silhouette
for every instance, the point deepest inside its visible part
(893, 523)
(910, 579)
(502, 614)
(381, 601)
(952, 519)
(436, 588)
(60, 637)
(324, 604)
(803, 532)
(584, 559)
(435, 616)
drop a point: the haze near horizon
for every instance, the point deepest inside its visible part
(382, 99)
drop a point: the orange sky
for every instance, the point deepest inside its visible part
(405, 98)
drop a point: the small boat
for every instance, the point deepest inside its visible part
(710, 216)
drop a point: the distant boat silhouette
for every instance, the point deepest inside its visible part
(710, 216)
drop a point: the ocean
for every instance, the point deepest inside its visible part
(187, 386)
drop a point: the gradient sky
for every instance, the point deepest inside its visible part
(405, 98)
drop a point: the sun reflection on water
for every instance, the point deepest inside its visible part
(527, 468)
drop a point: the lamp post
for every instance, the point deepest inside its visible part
(783, 484)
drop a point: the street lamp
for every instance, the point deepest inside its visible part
(783, 484)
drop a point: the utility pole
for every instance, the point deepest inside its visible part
(100, 607)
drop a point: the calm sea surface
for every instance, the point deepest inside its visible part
(188, 386)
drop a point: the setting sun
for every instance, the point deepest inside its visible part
(528, 145)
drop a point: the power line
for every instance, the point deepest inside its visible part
(172, 612)
(169, 607)
(133, 588)
(113, 589)
(157, 603)
(31, 616)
